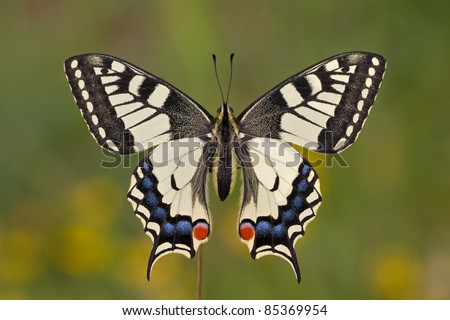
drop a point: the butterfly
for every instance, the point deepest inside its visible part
(321, 108)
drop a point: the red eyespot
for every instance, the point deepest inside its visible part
(201, 231)
(246, 231)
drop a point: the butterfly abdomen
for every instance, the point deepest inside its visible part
(226, 172)
(224, 164)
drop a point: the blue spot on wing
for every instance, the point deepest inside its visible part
(306, 169)
(167, 229)
(159, 213)
(147, 183)
(289, 217)
(151, 199)
(302, 185)
(263, 228)
(183, 227)
(146, 166)
(297, 202)
(279, 232)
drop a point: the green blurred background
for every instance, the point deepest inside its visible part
(66, 229)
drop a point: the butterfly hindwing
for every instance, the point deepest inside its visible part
(128, 109)
(281, 195)
(322, 108)
(168, 194)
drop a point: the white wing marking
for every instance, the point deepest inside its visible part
(158, 96)
(291, 95)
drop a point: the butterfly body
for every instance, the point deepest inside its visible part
(225, 164)
(321, 108)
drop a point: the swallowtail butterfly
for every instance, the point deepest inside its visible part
(321, 108)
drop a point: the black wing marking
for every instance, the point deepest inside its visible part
(128, 109)
(322, 108)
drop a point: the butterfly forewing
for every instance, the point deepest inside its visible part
(322, 108)
(128, 109)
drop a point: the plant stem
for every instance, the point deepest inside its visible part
(199, 272)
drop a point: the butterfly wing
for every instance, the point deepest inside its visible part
(168, 194)
(128, 109)
(281, 195)
(322, 108)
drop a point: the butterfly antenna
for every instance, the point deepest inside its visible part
(231, 76)
(217, 78)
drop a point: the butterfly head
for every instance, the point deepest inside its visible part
(225, 108)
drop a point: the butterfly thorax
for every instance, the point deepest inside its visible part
(224, 164)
